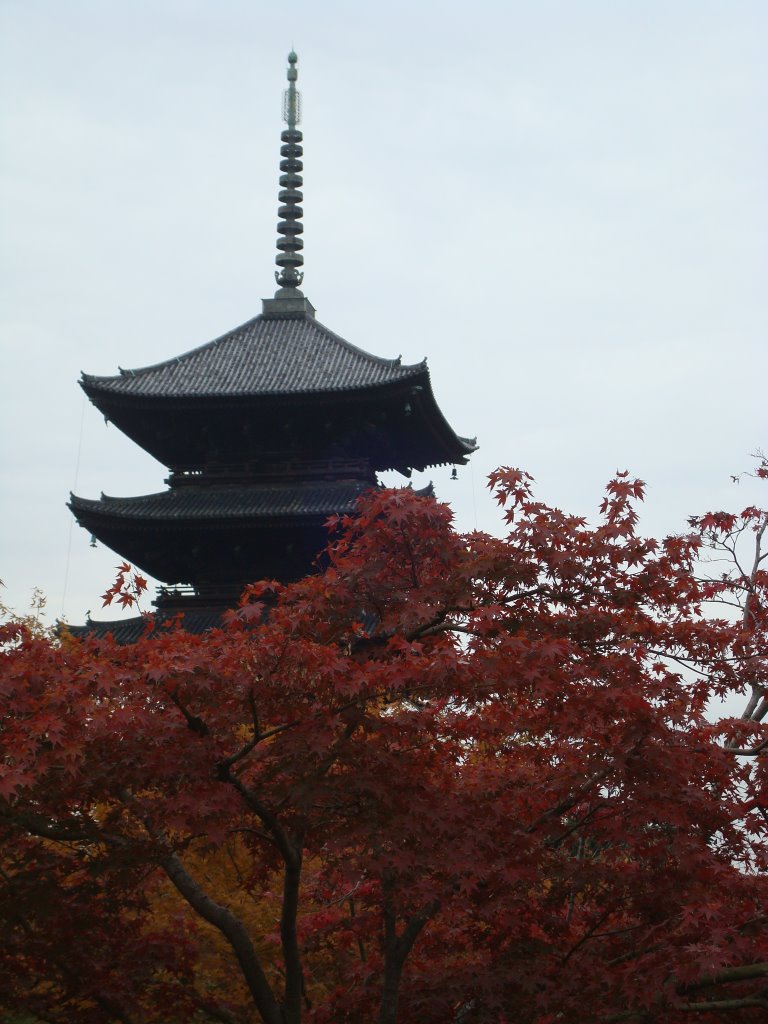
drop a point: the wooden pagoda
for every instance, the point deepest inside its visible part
(266, 432)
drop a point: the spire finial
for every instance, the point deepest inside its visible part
(292, 96)
(290, 228)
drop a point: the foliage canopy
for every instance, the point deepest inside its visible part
(453, 778)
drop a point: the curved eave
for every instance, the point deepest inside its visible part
(215, 507)
(214, 536)
(106, 399)
(100, 392)
(165, 425)
(456, 447)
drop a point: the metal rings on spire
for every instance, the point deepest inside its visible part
(289, 227)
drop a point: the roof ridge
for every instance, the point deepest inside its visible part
(194, 490)
(311, 323)
(397, 362)
(137, 371)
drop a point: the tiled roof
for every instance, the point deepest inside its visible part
(269, 355)
(195, 620)
(128, 631)
(260, 501)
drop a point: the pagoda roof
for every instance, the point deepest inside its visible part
(129, 631)
(269, 355)
(221, 535)
(223, 503)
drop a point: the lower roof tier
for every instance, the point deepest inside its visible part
(220, 536)
(129, 630)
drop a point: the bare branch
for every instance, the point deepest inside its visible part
(720, 1005)
(744, 972)
(747, 751)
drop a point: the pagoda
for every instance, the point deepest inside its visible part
(266, 432)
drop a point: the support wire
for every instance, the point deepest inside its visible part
(72, 518)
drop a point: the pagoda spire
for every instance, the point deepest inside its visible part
(288, 298)
(290, 228)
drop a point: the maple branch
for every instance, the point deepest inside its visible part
(44, 828)
(360, 944)
(292, 861)
(195, 723)
(735, 659)
(745, 972)
(258, 736)
(233, 860)
(722, 600)
(729, 975)
(719, 1005)
(226, 763)
(591, 934)
(633, 954)
(326, 763)
(754, 700)
(437, 624)
(411, 559)
(555, 842)
(277, 729)
(291, 852)
(253, 832)
(751, 578)
(254, 713)
(747, 751)
(347, 896)
(570, 801)
(261, 810)
(223, 766)
(521, 595)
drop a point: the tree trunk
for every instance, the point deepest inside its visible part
(234, 932)
(294, 978)
(396, 950)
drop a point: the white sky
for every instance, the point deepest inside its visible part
(561, 203)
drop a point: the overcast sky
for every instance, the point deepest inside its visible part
(561, 204)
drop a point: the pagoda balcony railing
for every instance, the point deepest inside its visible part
(183, 595)
(289, 470)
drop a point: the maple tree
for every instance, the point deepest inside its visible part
(452, 778)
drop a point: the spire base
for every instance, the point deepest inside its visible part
(287, 300)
